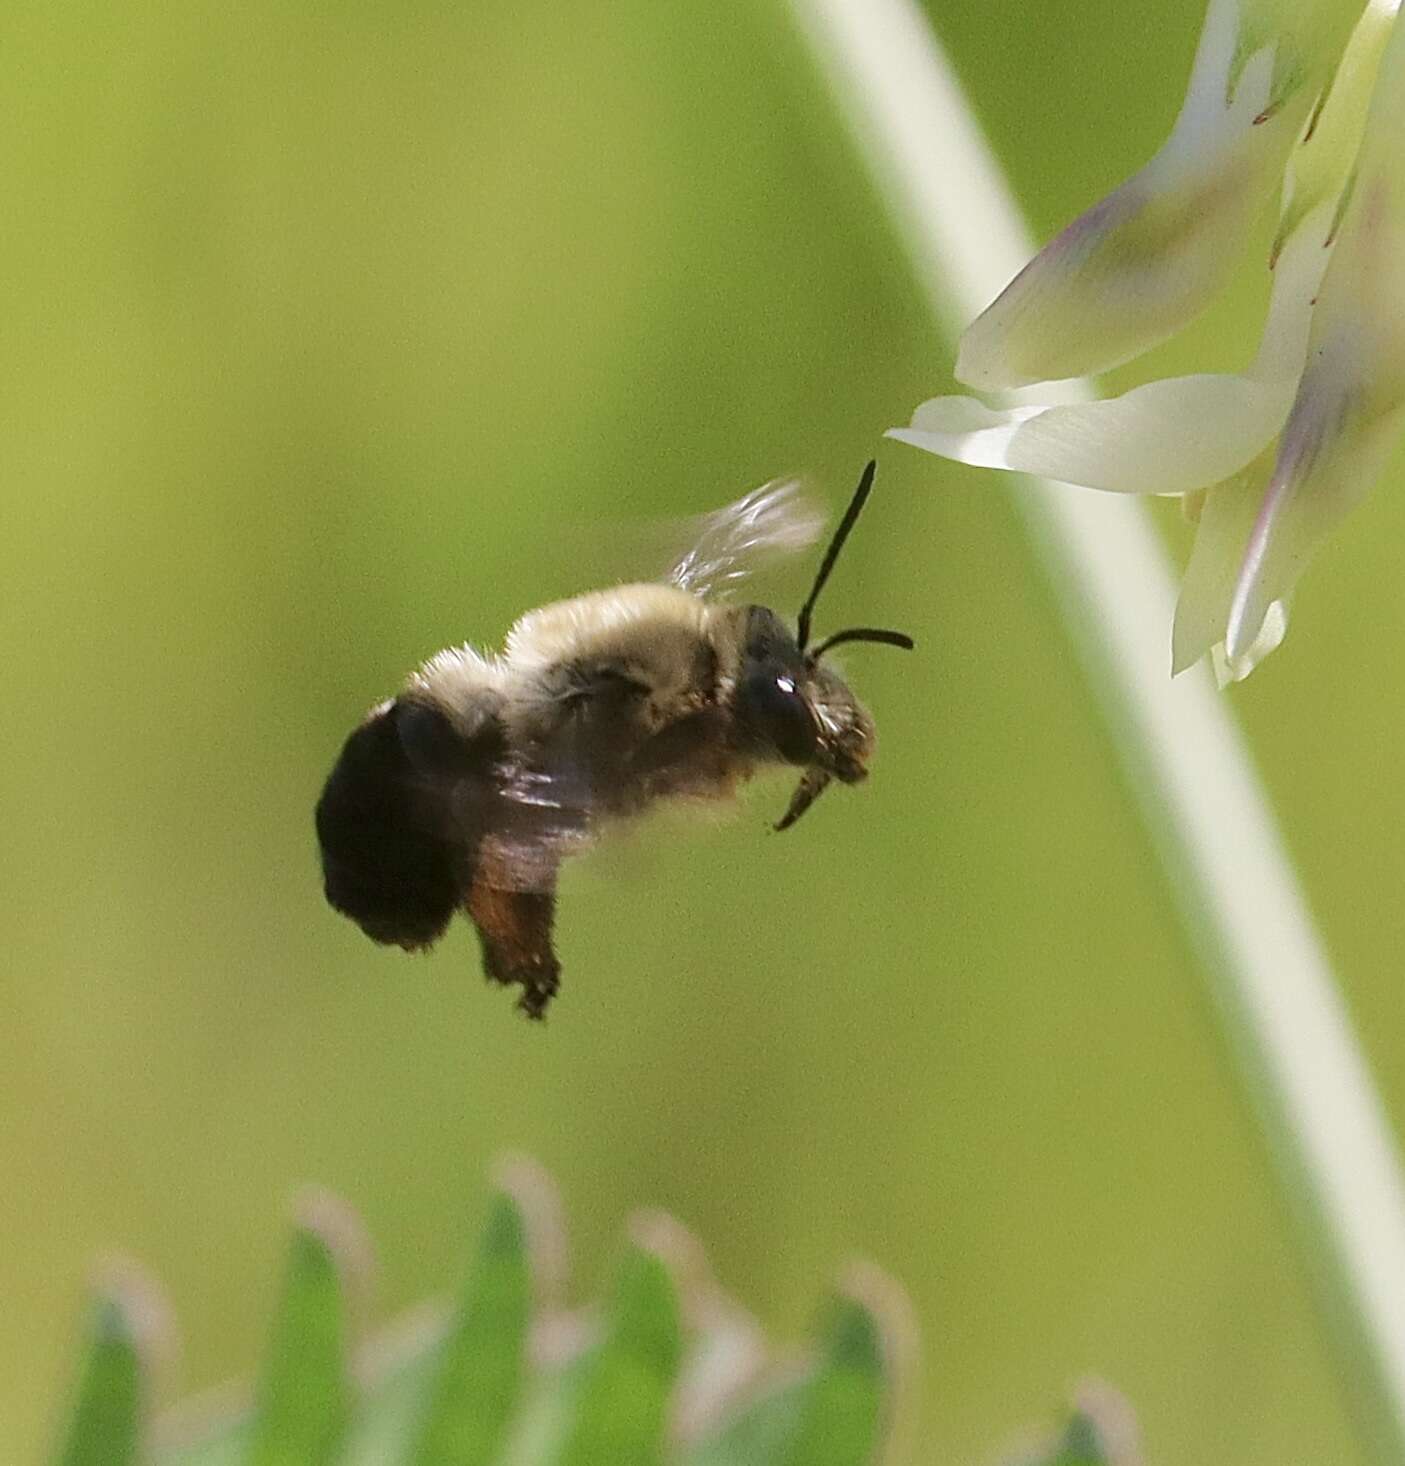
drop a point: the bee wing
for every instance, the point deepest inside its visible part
(775, 521)
(541, 816)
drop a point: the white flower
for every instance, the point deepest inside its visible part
(1273, 455)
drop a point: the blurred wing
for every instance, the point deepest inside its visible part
(770, 523)
(410, 804)
(550, 801)
(540, 818)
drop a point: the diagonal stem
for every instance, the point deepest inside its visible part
(1187, 761)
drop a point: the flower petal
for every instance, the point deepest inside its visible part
(1350, 406)
(1207, 591)
(1147, 258)
(1272, 629)
(1167, 437)
(1320, 165)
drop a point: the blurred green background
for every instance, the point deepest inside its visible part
(332, 334)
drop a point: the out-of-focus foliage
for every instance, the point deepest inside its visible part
(667, 1369)
(337, 333)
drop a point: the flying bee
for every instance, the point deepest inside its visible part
(469, 788)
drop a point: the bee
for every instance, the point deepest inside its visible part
(468, 789)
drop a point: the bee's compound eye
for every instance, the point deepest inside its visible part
(772, 706)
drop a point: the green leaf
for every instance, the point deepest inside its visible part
(609, 1403)
(599, 1389)
(302, 1407)
(106, 1426)
(1082, 1444)
(760, 1434)
(480, 1373)
(390, 1411)
(831, 1415)
(624, 1395)
(1101, 1431)
(224, 1444)
(841, 1414)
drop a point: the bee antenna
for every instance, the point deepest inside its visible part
(841, 534)
(863, 633)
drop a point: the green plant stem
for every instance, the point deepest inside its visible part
(1186, 759)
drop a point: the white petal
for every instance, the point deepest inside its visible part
(1321, 164)
(1272, 630)
(1167, 437)
(1350, 405)
(1226, 519)
(1333, 450)
(1144, 261)
(965, 430)
(1202, 612)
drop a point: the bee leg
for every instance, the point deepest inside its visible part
(514, 929)
(811, 786)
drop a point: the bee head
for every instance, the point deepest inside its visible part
(792, 705)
